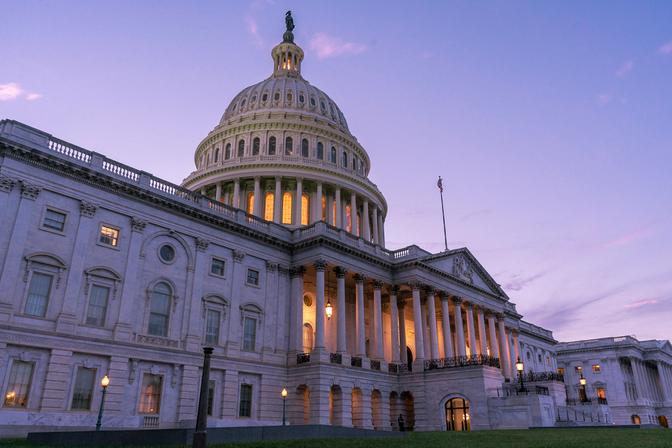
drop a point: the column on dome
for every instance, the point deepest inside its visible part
(296, 319)
(317, 215)
(505, 358)
(471, 328)
(483, 338)
(297, 201)
(330, 208)
(374, 218)
(494, 347)
(320, 266)
(433, 334)
(353, 213)
(394, 324)
(227, 194)
(459, 327)
(277, 201)
(258, 200)
(403, 354)
(378, 321)
(366, 228)
(417, 323)
(381, 230)
(447, 333)
(218, 192)
(339, 204)
(361, 327)
(236, 192)
(341, 346)
(203, 191)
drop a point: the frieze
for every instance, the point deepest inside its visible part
(156, 340)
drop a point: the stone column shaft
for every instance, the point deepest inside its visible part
(361, 328)
(447, 333)
(366, 232)
(258, 200)
(378, 322)
(353, 213)
(483, 339)
(318, 203)
(402, 333)
(339, 212)
(341, 346)
(433, 334)
(277, 201)
(319, 304)
(236, 193)
(297, 204)
(418, 324)
(218, 192)
(376, 236)
(459, 327)
(394, 326)
(471, 329)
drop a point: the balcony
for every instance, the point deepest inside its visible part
(532, 377)
(302, 358)
(461, 361)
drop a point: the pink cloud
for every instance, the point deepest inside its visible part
(641, 303)
(625, 68)
(666, 48)
(13, 91)
(630, 237)
(327, 46)
(603, 99)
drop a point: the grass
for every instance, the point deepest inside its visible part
(541, 438)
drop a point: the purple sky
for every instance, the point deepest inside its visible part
(550, 123)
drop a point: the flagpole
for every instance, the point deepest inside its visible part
(443, 213)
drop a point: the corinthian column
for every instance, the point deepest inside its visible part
(341, 346)
(483, 339)
(236, 193)
(459, 327)
(320, 266)
(447, 334)
(417, 322)
(297, 205)
(394, 324)
(505, 357)
(494, 347)
(339, 212)
(402, 332)
(378, 320)
(433, 335)
(470, 328)
(317, 210)
(361, 328)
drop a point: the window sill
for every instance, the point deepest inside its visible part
(252, 285)
(108, 246)
(54, 231)
(221, 277)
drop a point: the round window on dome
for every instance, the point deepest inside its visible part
(312, 102)
(264, 97)
(167, 253)
(276, 97)
(301, 99)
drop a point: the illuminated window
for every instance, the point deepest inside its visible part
(359, 224)
(320, 150)
(561, 370)
(150, 400)
(348, 221)
(109, 236)
(287, 208)
(250, 203)
(596, 368)
(241, 148)
(289, 143)
(271, 146)
(333, 213)
(255, 146)
(601, 393)
(18, 386)
(305, 209)
(227, 152)
(324, 208)
(578, 369)
(269, 206)
(304, 147)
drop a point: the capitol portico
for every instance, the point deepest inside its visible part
(273, 253)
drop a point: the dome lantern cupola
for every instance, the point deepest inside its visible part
(287, 56)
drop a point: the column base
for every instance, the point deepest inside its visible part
(320, 355)
(419, 366)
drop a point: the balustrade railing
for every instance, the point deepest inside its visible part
(375, 365)
(302, 358)
(461, 361)
(515, 391)
(356, 361)
(531, 377)
(336, 358)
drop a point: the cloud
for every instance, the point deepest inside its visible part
(327, 46)
(630, 237)
(516, 283)
(666, 48)
(603, 99)
(640, 303)
(253, 30)
(13, 91)
(625, 68)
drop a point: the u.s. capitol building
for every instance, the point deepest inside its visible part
(273, 252)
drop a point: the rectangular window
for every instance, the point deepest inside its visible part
(601, 393)
(83, 391)
(18, 386)
(97, 309)
(54, 220)
(252, 277)
(211, 396)
(150, 395)
(109, 236)
(578, 369)
(249, 334)
(245, 408)
(212, 320)
(38, 294)
(217, 267)
(596, 368)
(561, 370)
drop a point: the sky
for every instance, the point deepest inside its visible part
(550, 123)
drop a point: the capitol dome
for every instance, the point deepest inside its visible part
(283, 152)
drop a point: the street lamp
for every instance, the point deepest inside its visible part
(103, 383)
(284, 399)
(329, 310)
(520, 367)
(582, 382)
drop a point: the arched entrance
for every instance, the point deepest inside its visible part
(302, 415)
(336, 406)
(662, 420)
(357, 409)
(394, 411)
(376, 410)
(409, 358)
(635, 419)
(408, 410)
(457, 415)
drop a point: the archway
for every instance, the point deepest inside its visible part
(377, 410)
(302, 416)
(408, 410)
(662, 420)
(409, 357)
(394, 411)
(635, 419)
(307, 338)
(336, 406)
(457, 415)
(357, 409)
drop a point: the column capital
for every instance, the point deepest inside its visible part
(430, 290)
(469, 305)
(457, 300)
(415, 285)
(359, 278)
(377, 284)
(272, 267)
(138, 225)
(87, 209)
(278, 178)
(30, 191)
(340, 271)
(6, 183)
(201, 244)
(500, 317)
(238, 256)
(257, 178)
(444, 296)
(296, 271)
(320, 265)
(394, 290)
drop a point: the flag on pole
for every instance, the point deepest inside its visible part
(440, 184)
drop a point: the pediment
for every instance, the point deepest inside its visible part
(461, 264)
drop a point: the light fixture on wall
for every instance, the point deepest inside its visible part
(284, 406)
(329, 309)
(520, 367)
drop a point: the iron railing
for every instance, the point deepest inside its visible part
(302, 358)
(375, 365)
(531, 377)
(336, 358)
(356, 361)
(461, 361)
(515, 391)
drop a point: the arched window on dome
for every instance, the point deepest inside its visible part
(287, 207)
(305, 209)
(250, 203)
(344, 160)
(216, 155)
(332, 157)
(348, 221)
(359, 224)
(227, 152)
(304, 147)
(241, 147)
(255, 146)
(320, 150)
(289, 143)
(271, 146)
(269, 206)
(355, 163)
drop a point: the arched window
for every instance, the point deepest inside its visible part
(269, 206)
(159, 309)
(241, 148)
(304, 147)
(287, 208)
(227, 152)
(307, 338)
(355, 163)
(324, 208)
(255, 146)
(320, 150)
(250, 203)
(333, 213)
(333, 155)
(271, 146)
(216, 155)
(359, 224)
(457, 415)
(289, 143)
(305, 209)
(635, 419)
(348, 221)
(344, 160)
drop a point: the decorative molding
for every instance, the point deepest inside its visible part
(138, 225)
(238, 256)
(457, 300)
(340, 271)
(462, 269)
(415, 285)
(394, 290)
(30, 191)
(201, 244)
(297, 271)
(377, 284)
(359, 278)
(271, 267)
(6, 184)
(87, 209)
(320, 265)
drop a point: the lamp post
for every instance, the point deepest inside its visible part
(200, 439)
(284, 399)
(582, 382)
(103, 383)
(520, 367)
